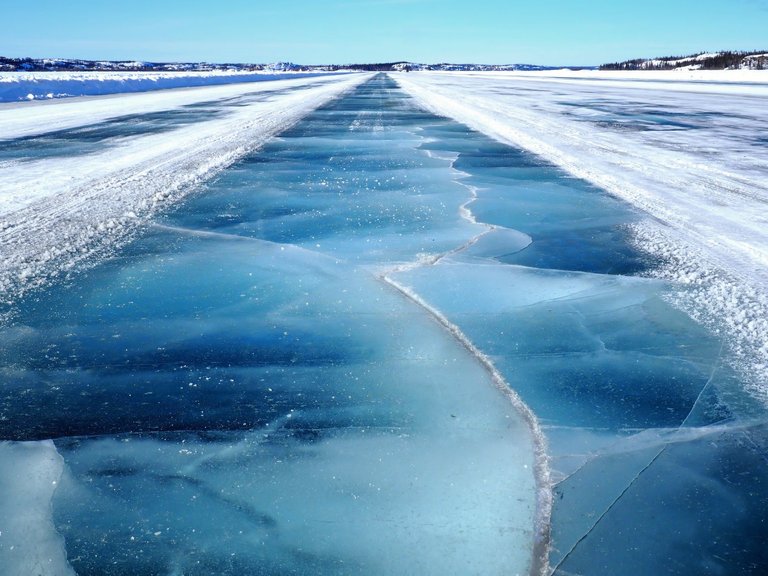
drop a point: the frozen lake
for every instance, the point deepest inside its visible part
(237, 391)
(382, 343)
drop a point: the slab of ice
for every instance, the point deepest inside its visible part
(703, 487)
(497, 244)
(361, 413)
(29, 477)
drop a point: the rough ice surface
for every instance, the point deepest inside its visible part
(304, 364)
(239, 391)
(78, 177)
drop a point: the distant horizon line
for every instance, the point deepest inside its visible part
(352, 64)
(273, 62)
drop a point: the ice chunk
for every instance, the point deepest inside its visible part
(496, 244)
(29, 542)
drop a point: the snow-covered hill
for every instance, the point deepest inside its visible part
(702, 61)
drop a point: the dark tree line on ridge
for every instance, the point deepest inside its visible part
(756, 60)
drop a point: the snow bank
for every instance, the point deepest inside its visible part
(15, 86)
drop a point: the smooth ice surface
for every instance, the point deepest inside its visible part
(239, 391)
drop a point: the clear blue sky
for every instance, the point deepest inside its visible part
(550, 32)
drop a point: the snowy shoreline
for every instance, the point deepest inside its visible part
(28, 86)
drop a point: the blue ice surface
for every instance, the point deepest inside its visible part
(241, 363)
(623, 384)
(238, 392)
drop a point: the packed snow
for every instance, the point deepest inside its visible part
(686, 147)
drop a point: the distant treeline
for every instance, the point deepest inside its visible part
(756, 60)
(66, 64)
(63, 64)
(54, 64)
(377, 67)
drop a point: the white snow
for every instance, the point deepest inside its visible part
(703, 179)
(678, 61)
(26, 119)
(56, 211)
(16, 86)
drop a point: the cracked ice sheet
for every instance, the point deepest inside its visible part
(382, 446)
(689, 149)
(705, 483)
(565, 339)
(611, 371)
(56, 211)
